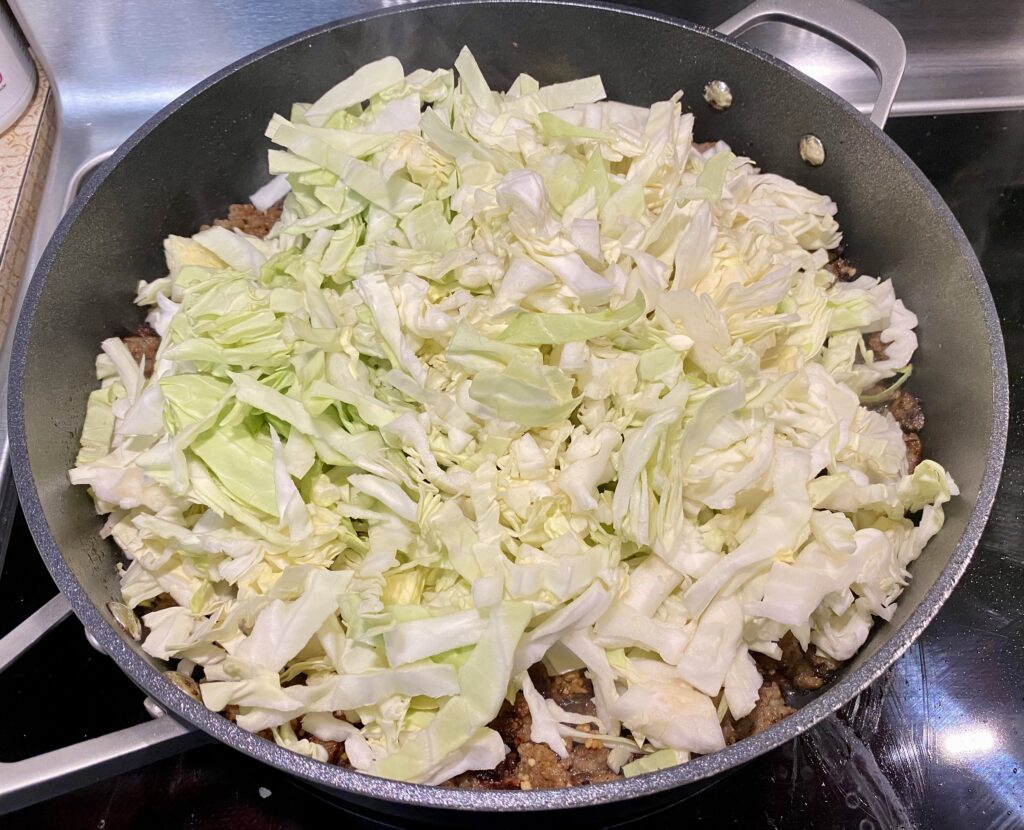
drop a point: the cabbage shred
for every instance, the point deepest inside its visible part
(517, 376)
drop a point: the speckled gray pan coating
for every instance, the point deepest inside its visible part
(206, 150)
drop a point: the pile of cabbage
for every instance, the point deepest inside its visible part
(517, 377)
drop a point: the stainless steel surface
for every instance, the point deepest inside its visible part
(865, 33)
(57, 772)
(788, 98)
(29, 632)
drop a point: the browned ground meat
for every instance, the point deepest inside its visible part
(572, 690)
(335, 749)
(536, 765)
(539, 768)
(915, 451)
(840, 266)
(589, 763)
(797, 670)
(769, 709)
(513, 722)
(874, 342)
(905, 407)
(907, 411)
(250, 220)
(143, 343)
(502, 777)
(824, 665)
(909, 414)
(529, 765)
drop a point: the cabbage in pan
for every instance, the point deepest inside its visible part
(518, 376)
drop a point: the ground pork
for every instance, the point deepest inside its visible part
(540, 769)
(839, 266)
(915, 451)
(335, 749)
(143, 343)
(874, 342)
(905, 408)
(513, 722)
(907, 411)
(248, 219)
(502, 777)
(537, 764)
(770, 708)
(797, 670)
(572, 690)
(530, 765)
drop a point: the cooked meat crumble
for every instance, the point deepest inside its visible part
(874, 342)
(770, 709)
(513, 722)
(143, 343)
(907, 411)
(905, 408)
(573, 691)
(915, 451)
(248, 219)
(797, 670)
(536, 765)
(335, 749)
(841, 267)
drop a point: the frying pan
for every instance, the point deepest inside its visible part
(206, 150)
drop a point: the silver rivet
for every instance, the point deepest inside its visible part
(154, 709)
(126, 619)
(812, 150)
(718, 94)
(90, 638)
(184, 682)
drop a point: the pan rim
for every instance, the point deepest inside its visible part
(344, 782)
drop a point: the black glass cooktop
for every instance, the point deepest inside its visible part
(937, 742)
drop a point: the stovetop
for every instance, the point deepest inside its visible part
(937, 742)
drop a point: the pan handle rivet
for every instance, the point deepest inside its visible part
(185, 683)
(154, 709)
(718, 95)
(812, 150)
(126, 618)
(90, 638)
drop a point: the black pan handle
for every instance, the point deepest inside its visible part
(857, 28)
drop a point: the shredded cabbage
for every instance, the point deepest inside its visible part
(517, 376)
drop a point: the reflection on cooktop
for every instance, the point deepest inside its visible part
(936, 743)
